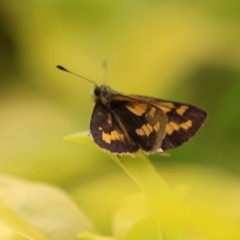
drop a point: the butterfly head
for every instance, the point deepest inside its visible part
(102, 93)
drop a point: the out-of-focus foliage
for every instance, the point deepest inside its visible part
(179, 50)
(39, 211)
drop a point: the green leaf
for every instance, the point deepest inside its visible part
(135, 220)
(81, 137)
(11, 219)
(40, 212)
(140, 169)
(93, 236)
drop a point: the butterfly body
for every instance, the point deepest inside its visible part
(123, 124)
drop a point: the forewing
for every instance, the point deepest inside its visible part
(143, 122)
(109, 133)
(184, 120)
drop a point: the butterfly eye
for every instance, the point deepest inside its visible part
(97, 91)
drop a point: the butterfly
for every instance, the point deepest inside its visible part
(124, 124)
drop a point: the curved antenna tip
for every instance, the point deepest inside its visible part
(64, 69)
(61, 67)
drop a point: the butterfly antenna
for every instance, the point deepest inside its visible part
(64, 69)
(104, 65)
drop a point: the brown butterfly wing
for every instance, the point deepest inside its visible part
(126, 124)
(184, 120)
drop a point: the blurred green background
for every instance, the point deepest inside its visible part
(179, 50)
